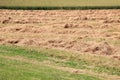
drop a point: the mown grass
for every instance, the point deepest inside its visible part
(27, 64)
(61, 4)
(20, 69)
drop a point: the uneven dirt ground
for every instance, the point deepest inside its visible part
(82, 31)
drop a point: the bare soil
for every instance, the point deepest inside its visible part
(83, 31)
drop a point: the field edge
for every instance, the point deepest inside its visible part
(59, 8)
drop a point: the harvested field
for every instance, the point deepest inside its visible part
(83, 31)
(60, 44)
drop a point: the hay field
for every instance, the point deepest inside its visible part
(59, 44)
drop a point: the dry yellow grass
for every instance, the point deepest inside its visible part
(67, 30)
